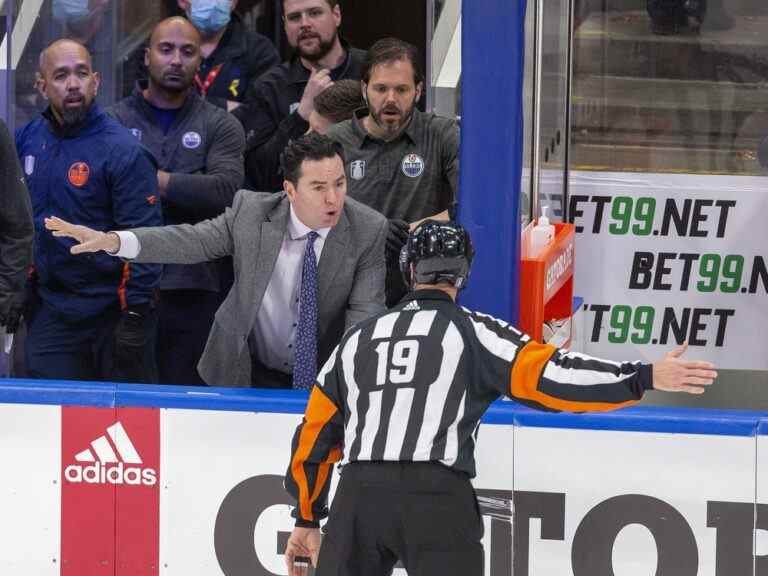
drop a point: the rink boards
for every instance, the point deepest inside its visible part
(101, 479)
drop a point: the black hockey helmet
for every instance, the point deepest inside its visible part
(440, 252)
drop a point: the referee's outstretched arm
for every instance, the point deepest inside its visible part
(543, 376)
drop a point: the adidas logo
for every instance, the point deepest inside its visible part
(412, 305)
(109, 462)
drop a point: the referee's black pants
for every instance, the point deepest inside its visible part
(423, 514)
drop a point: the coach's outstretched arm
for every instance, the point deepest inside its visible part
(179, 244)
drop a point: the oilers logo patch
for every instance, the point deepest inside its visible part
(78, 174)
(412, 165)
(191, 140)
(357, 170)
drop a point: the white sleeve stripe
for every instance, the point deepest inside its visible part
(577, 377)
(581, 356)
(496, 345)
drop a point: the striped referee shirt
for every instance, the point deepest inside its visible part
(411, 384)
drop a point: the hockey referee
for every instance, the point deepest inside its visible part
(399, 403)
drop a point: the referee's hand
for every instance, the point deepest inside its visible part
(303, 544)
(673, 374)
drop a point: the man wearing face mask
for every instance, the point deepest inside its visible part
(82, 19)
(88, 319)
(232, 56)
(400, 161)
(279, 104)
(199, 149)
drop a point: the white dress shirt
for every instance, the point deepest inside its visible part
(274, 333)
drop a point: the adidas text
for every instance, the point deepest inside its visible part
(98, 473)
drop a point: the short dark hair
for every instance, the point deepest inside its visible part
(331, 3)
(389, 50)
(339, 101)
(311, 146)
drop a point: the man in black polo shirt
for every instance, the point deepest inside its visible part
(400, 161)
(279, 104)
(199, 150)
(232, 56)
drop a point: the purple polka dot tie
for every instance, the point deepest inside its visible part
(305, 360)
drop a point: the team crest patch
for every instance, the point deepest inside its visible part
(293, 107)
(357, 170)
(136, 132)
(78, 174)
(29, 165)
(191, 140)
(413, 166)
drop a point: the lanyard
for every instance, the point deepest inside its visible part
(209, 80)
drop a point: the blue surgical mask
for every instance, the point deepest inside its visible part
(210, 16)
(70, 10)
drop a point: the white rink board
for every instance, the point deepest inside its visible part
(30, 489)
(591, 466)
(223, 509)
(761, 536)
(205, 454)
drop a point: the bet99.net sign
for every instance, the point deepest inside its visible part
(667, 258)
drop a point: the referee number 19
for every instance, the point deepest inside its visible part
(400, 366)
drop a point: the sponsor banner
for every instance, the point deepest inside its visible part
(178, 492)
(605, 502)
(667, 258)
(224, 509)
(110, 465)
(30, 489)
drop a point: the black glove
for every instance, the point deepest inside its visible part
(130, 339)
(130, 332)
(396, 238)
(12, 319)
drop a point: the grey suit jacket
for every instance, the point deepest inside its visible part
(351, 273)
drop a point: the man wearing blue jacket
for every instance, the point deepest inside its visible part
(90, 319)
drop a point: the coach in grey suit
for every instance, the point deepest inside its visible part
(256, 231)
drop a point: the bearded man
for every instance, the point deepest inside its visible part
(400, 161)
(279, 104)
(87, 319)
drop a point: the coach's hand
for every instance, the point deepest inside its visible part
(676, 375)
(89, 240)
(302, 542)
